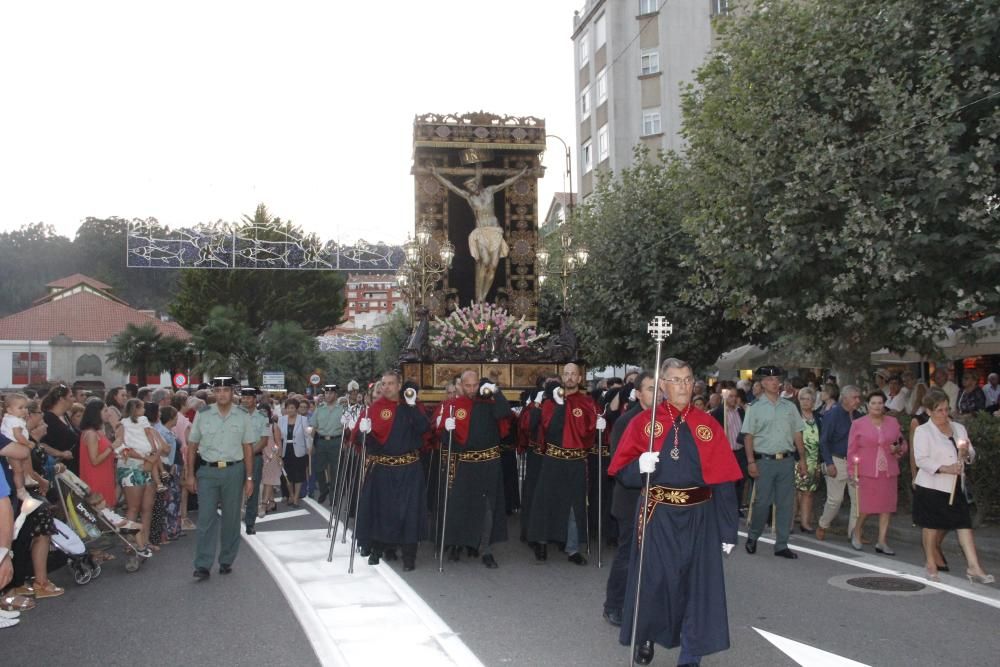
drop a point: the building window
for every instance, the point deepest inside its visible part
(720, 7)
(587, 156)
(603, 145)
(602, 86)
(25, 371)
(651, 122)
(601, 31)
(647, 7)
(585, 103)
(649, 61)
(88, 364)
(584, 49)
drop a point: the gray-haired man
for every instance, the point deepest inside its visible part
(833, 452)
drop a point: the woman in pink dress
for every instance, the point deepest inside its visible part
(874, 447)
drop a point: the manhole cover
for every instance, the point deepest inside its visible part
(888, 584)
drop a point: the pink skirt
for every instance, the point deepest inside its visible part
(878, 494)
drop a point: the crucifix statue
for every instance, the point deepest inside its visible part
(486, 242)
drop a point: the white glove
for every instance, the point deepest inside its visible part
(449, 424)
(602, 423)
(410, 397)
(541, 395)
(559, 395)
(633, 396)
(437, 422)
(345, 419)
(488, 388)
(648, 461)
(726, 548)
(365, 426)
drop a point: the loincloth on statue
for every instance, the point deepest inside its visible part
(487, 237)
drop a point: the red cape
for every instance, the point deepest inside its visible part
(718, 464)
(383, 414)
(579, 423)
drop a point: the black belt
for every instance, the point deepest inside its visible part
(221, 464)
(330, 437)
(775, 457)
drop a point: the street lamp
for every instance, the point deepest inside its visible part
(427, 260)
(572, 258)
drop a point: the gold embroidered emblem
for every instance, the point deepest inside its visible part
(676, 497)
(577, 412)
(461, 413)
(658, 431)
(703, 433)
(386, 414)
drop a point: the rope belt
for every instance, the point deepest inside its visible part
(491, 454)
(403, 460)
(557, 452)
(663, 495)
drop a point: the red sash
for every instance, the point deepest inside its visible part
(718, 464)
(579, 422)
(383, 414)
(463, 417)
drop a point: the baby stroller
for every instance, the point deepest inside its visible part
(77, 557)
(88, 515)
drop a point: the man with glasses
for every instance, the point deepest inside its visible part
(772, 433)
(690, 522)
(833, 453)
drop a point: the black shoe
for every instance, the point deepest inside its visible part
(751, 546)
(454, 553)
(373, 558)
(644, 653)
(225, 569)
(365, 552)
(201, 574)
(322, 497)
(409, 565)
(390, 554)
(786, 553)
(490, 562)
(541, 551)
(472, 552)
(613, 616)
(577, 559)
(251, 530)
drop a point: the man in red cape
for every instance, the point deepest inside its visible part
(691, 520)
(558, 514)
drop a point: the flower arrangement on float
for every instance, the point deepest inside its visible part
(483, 326)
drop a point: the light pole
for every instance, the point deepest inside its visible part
(427, 260)
(571, 257)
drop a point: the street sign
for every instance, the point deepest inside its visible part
(315, 379)
(273, 380)
(180, 380)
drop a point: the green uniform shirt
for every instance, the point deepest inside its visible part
(222, 438)
(772, 425)
(260, 424)
(326, 420)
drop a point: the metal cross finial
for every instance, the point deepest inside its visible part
(659, 328)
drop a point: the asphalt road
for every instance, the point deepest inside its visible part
(523, 613)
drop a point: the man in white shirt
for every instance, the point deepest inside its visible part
(944, 383)
(896, 395)
(992, 391)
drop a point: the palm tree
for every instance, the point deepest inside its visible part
(137, 348)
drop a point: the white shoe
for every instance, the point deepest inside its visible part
(10, 615)
(112, 516)
(27, 507)
(8, 622)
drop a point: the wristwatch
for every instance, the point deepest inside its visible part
(4, 553)
(249, 479)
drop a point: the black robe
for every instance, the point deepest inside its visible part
(477, 485)
(532, 468)
(392, 507)
(561, 486)
(682, 579)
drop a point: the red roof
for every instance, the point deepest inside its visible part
(82, 317)
(76, 279)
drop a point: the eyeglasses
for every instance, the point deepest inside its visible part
(679, 381)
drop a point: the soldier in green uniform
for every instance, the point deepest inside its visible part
(772, 433)
(248, 403)
(224, 436)
(328, 424)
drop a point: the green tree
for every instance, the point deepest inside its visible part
(227, 346)
(285, 346)
(639, 257)
(30, 257)
(142, 349)
(840, 158)
(313, 298)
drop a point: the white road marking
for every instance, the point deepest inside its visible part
(282, 515)
(807, 655)
(871, 567)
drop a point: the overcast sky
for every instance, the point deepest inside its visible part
(196, 111)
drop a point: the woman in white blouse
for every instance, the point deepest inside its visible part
(942, 449)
